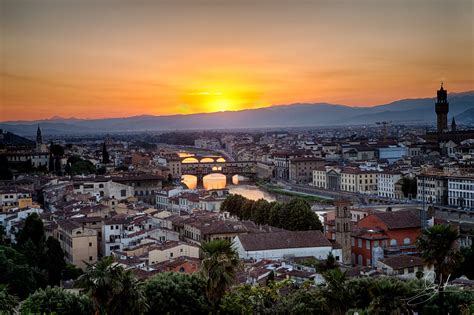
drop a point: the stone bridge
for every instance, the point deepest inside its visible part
(201, 169)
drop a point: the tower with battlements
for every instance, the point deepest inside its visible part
(343, 229)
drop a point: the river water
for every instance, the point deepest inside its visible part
(238, 186)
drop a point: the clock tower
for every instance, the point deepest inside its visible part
(442, 109)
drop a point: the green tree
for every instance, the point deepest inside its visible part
(55, 262)
(303, 301)
(112, 289)
(8, 302)
(3, 235)
(16, 273)
(336, 291)
(33, 230)
(101, 281)
(299, 216)
(105, 154)
(252, 299)
(71, 272)
(437, 245)
(176, 293)
(388, 296)
(466, 268)
(56, 301)
(131, 299)
(83, 167)
(219, 268)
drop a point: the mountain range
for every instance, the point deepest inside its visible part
(405, 111)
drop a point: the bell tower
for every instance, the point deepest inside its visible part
(343, 229)
(442, 109)
(39, 140)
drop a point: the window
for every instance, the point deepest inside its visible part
(367, 244)
(171, 254)
(90, 258)
(406, 241)
(376, 243)
(123, 193)
(111, 227)
(359, 243)
(393, 242)
(352, 242)
(401, 271)
(411, 270)
(90, 244)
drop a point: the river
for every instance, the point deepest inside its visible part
(238, 186)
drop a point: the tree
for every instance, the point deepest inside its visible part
(56, 301)
(131, 299)
(112, 289)
(336, 291)
(466, 268)
(303, 301)
(71, 272)
(176, 293)
(16, 273)
(388, 296)
(252, 299)
(105, 155)
(8, 302)
(299, 216)
(33, 230)
(437, 245)
(101, 281)
(2, 235)
(219, 267)
(409, 187)
(55, 263)
(82, 167)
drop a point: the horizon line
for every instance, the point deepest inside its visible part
(53, 118)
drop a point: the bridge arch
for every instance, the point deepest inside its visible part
(221, 160)
(190, 160)
(207, 160)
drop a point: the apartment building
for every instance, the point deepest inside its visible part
(78, 242)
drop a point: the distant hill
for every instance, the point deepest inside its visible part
(409, 111)
(8, 138)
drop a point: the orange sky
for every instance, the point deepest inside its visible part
(116, 58)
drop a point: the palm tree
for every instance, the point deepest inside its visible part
(131, 299)
(336, 291)
(102, 281)
(219, 267)
(437, 247)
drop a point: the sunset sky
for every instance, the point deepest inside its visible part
(115, 58)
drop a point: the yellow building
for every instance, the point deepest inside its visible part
(79, 243)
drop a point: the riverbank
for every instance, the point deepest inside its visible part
(281, 191)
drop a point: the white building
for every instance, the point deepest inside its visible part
(386, 184)
(432, 188)
(405, 267)
(104, 188)
(461, 191)
(285, 244)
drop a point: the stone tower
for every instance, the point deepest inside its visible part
(343, 229)
(442, 109)
(39, 140)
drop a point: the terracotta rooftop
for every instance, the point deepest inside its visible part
(284, 239)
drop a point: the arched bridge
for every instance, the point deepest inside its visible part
(246, 168)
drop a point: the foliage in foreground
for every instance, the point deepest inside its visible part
(56, 301)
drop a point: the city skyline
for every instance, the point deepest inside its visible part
(95, 59)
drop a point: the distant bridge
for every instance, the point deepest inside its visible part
(201, 169)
